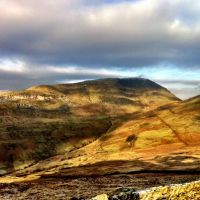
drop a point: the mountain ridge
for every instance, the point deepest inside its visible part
(107, 92)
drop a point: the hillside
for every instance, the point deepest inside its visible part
(43, 121)
(104, 126)
(164, 139)
(105, 96)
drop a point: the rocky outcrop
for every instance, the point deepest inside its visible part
(188, 191)
(101, 197)
(125, 194)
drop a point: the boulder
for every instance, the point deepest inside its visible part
(101, 197)
(124, 194)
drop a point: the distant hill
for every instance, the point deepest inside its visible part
(105, 96)
(101, 121)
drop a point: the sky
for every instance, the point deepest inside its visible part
(65, 41)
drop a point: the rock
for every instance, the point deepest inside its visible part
(114, 197)
(188, 191)
(124, 194)
(101, 197)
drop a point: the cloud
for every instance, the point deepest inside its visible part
(185, 93)
(184, 85)
(51, 41)
(17, 75)
(129, 34)
(178, 81)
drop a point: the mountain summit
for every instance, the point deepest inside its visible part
(104, 96)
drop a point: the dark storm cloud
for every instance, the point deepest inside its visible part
(132, 34)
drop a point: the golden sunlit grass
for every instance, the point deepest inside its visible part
(147, 128)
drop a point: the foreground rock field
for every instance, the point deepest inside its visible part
(187, 191)
(89, 187)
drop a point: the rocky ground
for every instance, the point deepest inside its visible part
(184, 191)
(89, 187)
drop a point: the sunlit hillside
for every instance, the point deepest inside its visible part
(89, 123)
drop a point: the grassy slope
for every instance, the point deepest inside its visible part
(162, 142)
(106, 120)
(43, 121)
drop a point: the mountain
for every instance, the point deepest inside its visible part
(105, 96)
(97, 127)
